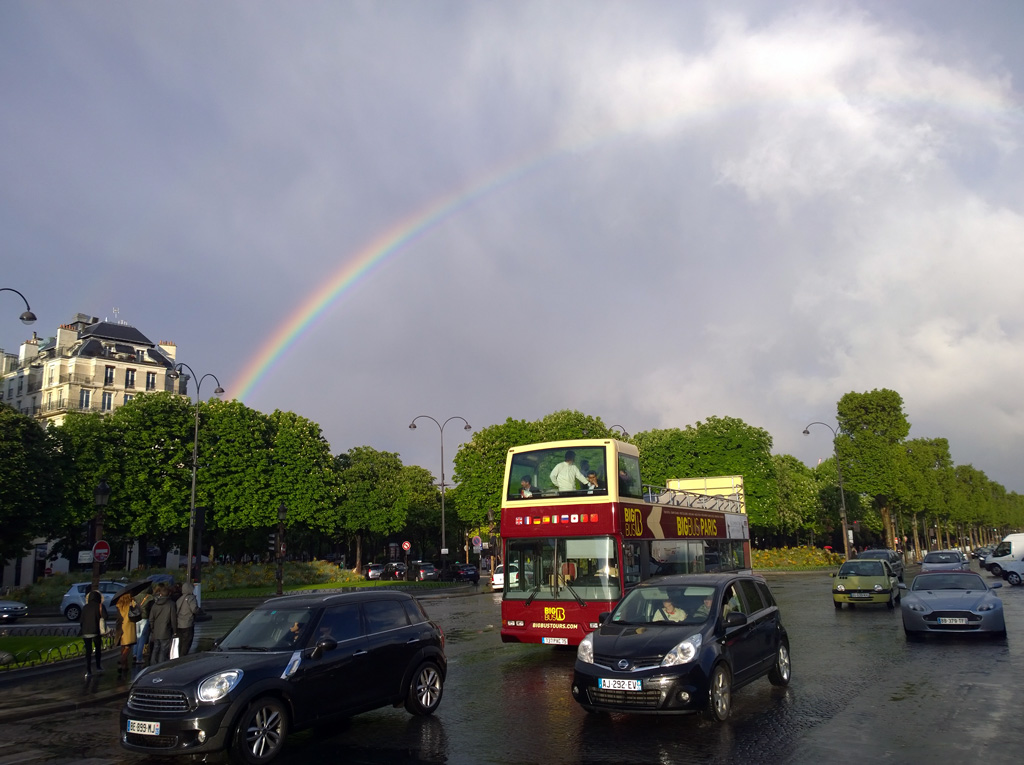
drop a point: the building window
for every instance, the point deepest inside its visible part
(108, 402)
(21, 382)
(128, 397)
(83, 399)
(50, 381)
(48, 400)
(150, 380)
(108, 376)
(129, 378)
(60, 398)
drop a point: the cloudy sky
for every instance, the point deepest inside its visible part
(653, 212)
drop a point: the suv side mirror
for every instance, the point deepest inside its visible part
(322, 646)
(735, 619)
(603, 617)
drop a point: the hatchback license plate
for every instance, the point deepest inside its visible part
(859, 595)
(615, 684)
(144, 728)
(556, 641)
(952, 620)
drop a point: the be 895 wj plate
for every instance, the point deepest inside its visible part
(144, 728)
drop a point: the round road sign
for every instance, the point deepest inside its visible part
(100, 551)
(406, 546)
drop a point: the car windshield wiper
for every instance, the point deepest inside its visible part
(533, 594)
(579, 600)
(245, 648)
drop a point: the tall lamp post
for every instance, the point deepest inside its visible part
(440, 427)
(624, 433)
(839, 472)
(27, 317)
(102, 496)
(174, 374)
(282, 514)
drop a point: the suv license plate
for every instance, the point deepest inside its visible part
(144, 728)
(615, 684)
(952, 620)
(556, 641)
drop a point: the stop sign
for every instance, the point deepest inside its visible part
(100, 551)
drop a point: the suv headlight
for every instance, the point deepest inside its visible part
(683, 653)
(216, 687)
(585, 652)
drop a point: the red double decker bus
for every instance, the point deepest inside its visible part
(579, 528)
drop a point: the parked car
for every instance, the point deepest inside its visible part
(952, 602)
(945, 560)
(393, 571)
(12, 610)
(292, 663)
(894, 559)
(373, 570)
(980, 553)
(423, 572)
(460, 572)
(865, 581)
(730, 634)
(498, 577)
(73, 600)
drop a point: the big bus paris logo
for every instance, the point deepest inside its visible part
(554, 614)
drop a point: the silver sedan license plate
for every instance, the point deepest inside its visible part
(952, 620)
(615, 684)
(144, 728)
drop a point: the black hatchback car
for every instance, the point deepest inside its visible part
(291, 663)
(683, 644)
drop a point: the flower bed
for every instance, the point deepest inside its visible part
(795, 559)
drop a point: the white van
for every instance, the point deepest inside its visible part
(1010, 550)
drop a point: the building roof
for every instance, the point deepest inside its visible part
(106, 330)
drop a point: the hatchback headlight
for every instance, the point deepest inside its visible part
(585, 652)
(683, 653)
(840, 588)
(878, 588)
(216, 687)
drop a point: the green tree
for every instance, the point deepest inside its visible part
(798, 507)
(30, 496)
(873, 427)
(374, 498)
(929, 482)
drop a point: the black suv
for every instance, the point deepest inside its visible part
(291, 663)
(460, 572)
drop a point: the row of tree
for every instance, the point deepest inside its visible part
(248, 463)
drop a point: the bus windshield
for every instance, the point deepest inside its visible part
(560, 568)
(558, 472)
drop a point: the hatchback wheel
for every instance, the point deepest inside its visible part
(779, 674)
(1013, 578)
(73, 613)
(259, 734)
(425, 689)
(720, 694)
(891, 603)
(837, 604)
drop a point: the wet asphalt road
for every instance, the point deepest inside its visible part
(860, 692)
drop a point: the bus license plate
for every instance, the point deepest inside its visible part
(144, 728)
(556, 641)
(615, 684)
(952, 620)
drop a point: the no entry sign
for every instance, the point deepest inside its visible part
(101, 551)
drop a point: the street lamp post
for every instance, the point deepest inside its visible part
(440, 427)
(282, 514)
(102, 496)
(27, 317)
(624, 433)
(174, 374)
(839, 473)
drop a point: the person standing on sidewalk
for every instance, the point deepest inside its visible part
(187, 608)
(163, 626)
(125, 634)
(91, 619)
(145, 603)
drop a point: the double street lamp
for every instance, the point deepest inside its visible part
(27, 317)
(174, 374)
(440, 427)
(839, 473)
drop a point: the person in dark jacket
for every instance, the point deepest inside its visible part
(92, 635)
(145, 603)
(187, 608)
(163, 626)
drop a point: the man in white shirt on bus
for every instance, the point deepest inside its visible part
(566, 474)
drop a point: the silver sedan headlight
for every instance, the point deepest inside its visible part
(216, 687)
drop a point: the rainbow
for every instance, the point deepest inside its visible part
(362, 263)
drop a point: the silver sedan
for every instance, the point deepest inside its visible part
(12, 610)
(945, 560)
(952, 602)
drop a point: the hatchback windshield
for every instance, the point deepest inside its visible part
(687, 604)
(861, 568)
(949, 582)
(269, 629)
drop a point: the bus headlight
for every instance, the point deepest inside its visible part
(585, 652)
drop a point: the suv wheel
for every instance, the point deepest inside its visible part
(260, 731)
(720, 694)
(425, 689)
(73, 612)
(780, 673)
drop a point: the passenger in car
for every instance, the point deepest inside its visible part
(669, 612)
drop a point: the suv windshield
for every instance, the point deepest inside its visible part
(269, 629)
(687, 604)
